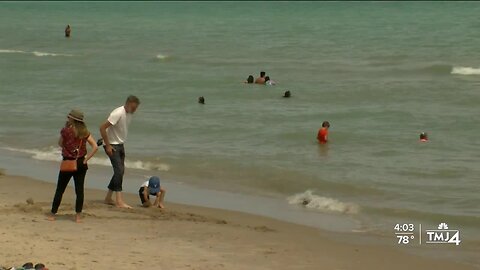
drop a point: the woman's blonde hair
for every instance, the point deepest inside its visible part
(80, 128)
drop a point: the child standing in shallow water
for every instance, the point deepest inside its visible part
(152, 187)
(322, 135)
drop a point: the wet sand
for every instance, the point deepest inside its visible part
(179, 237)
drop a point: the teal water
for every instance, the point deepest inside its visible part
(379, 72)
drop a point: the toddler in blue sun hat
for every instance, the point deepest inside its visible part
(152, 187)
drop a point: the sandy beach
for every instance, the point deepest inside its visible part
(380, 73)
(179, 237)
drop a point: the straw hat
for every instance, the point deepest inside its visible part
(76, 115)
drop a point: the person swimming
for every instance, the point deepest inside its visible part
(250, 79)
(261, 79)
(287, 94)
(268, 81)
(201, 100)
(423, 137)
(68, 30)
(322, 135)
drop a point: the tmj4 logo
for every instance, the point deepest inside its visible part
(443, 235)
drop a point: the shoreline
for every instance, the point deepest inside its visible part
(197, 237)
(184, 193)
(274, 206)
(248, 186)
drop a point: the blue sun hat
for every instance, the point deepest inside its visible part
(154, 185)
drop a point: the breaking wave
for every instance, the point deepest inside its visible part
(36, 53)
(54, 154)
(465, 71)
(325, 204)
(162, 56)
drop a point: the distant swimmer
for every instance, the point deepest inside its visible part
(423, 137)
(287, 94)
(250, 79)
(201, 100)
(68, 30)
(322, 135)
(268, 81)
(261, 79)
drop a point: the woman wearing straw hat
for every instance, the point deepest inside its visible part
(73, 139)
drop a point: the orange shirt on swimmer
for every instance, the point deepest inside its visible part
(322, 135)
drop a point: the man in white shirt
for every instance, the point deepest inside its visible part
(114, 132)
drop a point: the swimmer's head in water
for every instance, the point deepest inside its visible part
(423, 136)
(201, 100)
(250, 79)
(267, 79)
(262, 74)
(326, 124)
(287, 94)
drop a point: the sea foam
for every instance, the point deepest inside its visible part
(325, 204)
(49, 54)
(36, 53)
(162, 57)
(465, 71)
(54, 154)
(11, 51)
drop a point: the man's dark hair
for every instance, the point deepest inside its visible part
(325, 124)
(132, 99)
(262, 74)
(250, 79)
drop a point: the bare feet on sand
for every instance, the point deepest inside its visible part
(118, 200)
(51, 217)
(147, 204)
(78, 218)
(160, 205)
(109, 202)
(123, 205)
